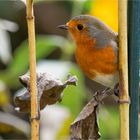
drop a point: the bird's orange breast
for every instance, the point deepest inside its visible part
(91, 59)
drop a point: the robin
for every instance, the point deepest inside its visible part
(96, 49)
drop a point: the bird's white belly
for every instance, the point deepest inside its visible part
(107, 80)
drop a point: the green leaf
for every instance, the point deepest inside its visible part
(4, 95)
(20, 63)
(87, 5)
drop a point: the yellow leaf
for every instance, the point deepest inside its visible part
(4, 98)
(107, 11)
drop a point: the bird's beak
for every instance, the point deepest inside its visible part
(63, 27)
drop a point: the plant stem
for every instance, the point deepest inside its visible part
(123, 69)
(134, 57)
(33, 88)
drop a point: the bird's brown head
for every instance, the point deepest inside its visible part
(78, 26)
(84, 26)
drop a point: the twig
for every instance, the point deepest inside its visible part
(34, 102)
(123, 69)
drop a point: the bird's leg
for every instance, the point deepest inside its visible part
(99, 95)
(107, 89)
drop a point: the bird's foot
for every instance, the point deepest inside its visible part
(116, 90)
(100, 94)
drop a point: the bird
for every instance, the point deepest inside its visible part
(96, 49)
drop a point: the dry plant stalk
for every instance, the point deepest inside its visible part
(33, 88)
(123, 69)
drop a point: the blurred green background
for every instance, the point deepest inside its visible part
(55, 54)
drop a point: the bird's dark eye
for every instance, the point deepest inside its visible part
(80, 27)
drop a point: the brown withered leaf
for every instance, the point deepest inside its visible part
(50, 90)
(85, 126)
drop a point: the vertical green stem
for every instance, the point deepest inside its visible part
(134, 57)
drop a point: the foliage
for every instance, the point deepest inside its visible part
(20, 63)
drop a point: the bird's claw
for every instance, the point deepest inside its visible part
(116, 90)
(99, 95)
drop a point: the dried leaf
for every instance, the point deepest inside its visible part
(50, 90)
(85, 127)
